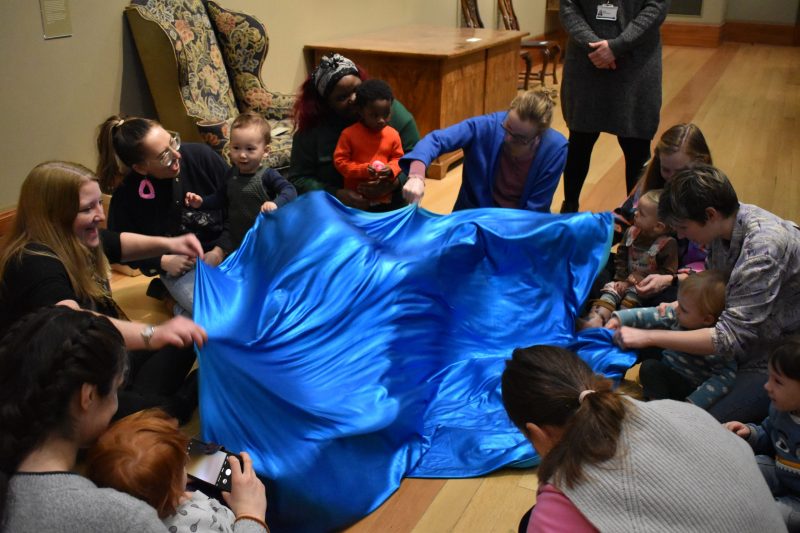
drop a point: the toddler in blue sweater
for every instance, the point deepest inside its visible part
(699, 379)
(776, 442)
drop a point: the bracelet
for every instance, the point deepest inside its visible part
(253, 518)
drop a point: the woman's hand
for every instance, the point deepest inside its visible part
(632, 338)
(602, 56)
(377, 188)
(214, 256)
(653, 284)
(352, 199)
(612, 323)
(180, 332)
(176, 265)
(248, 495)
(187, 245)
(743, 430)
(414, 189)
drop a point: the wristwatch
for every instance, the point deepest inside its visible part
(147, 334)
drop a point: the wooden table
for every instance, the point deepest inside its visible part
(442, 75)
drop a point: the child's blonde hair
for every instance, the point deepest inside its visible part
(708, 287)
(247, 119)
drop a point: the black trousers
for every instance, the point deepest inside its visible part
(660, 382)
(636, 151)
(154, 379)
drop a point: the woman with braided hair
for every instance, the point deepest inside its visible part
(56, 254)
(60, 370)
(611, 463)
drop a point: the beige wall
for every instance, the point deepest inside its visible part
(771, 11)
(55, 92)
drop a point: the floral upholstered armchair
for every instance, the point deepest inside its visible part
(203, 65)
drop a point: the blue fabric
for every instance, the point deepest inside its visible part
(350, 349)
(481, 138)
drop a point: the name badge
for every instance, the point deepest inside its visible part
(607, 12)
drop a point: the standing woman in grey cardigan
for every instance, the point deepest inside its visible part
(612, 83)
(611, 463)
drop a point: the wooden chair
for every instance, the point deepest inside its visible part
(470, 17)
(550, 50)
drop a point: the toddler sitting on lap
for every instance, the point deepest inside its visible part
(699, 379)
(646, 248)
(145, 455)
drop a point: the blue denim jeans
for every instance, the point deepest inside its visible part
(788, 504)
(747, 401)
(182, 289)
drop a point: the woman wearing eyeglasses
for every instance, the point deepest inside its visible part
(149, 199)
(511, 158)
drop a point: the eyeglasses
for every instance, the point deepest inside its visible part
(168, 156)
(516, 137)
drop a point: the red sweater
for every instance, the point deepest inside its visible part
(359, 146)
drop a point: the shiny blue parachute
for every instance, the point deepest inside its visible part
(348, 350)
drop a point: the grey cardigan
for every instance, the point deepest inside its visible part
(626, 101)
(676, 470)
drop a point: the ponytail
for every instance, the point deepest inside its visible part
(119, 145)
(551, 386)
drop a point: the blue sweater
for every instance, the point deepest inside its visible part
(481, 138)
(778, 436)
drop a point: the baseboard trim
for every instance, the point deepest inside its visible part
(688, 34)
(759, 32)
(711, 35)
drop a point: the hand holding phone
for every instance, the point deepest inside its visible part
(248, 495)
(210, 463)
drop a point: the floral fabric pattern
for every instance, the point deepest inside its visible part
(209, 47)
(204, 84)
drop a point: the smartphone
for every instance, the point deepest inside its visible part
(208, 462)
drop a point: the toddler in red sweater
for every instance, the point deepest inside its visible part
(370, 149)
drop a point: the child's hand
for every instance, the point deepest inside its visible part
(384, 173)
(268, 206)
(662, 307)
(195, 201)
(743, 430)
(620, 287)
(612, 323)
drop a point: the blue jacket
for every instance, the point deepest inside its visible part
(481, 138)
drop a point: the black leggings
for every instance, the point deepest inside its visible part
(153, 379)
(636, 151)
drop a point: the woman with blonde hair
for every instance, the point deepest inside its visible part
(511, 158)
(57, 254)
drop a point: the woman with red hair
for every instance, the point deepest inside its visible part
(325, 107)
(144, 455)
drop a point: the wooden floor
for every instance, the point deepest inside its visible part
(746, 99)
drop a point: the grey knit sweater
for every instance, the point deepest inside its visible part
(65, 502)
(677, 470)
(625, 101)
